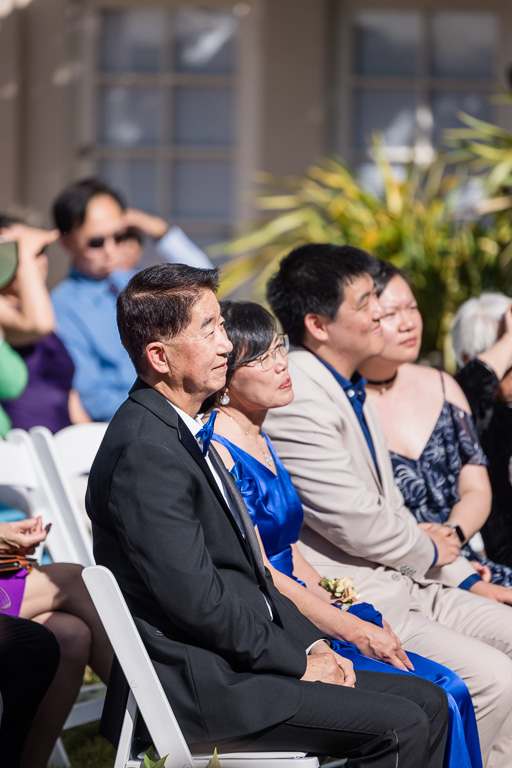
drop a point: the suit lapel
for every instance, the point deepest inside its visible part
(380, 446)
(188, 440)
(250, 534)
(318, 370)
(236, 498)
(145, 395)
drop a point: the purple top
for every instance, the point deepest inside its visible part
(45, 399)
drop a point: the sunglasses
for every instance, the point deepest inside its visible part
(99, 242)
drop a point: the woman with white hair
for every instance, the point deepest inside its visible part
(482, 341)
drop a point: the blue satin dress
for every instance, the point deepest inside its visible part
(276, 510)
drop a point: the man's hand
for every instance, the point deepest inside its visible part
(150, 225)
(446, 541)
(493, 592)
(325, 666)
(23, 535)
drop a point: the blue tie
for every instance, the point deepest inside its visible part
(206, 432)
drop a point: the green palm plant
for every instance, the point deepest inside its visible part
(486, 149)
(413, 225)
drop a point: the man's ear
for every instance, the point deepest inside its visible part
(156, 357)
(316, 326)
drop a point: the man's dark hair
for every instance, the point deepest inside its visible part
(311, 279)
(70, 207)
(156, 305)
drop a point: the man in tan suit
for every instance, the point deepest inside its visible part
(356, 523)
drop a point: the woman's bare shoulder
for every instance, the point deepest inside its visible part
(422, 383)
(414, 373)
(454, 393)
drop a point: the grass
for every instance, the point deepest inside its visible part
(86, 749)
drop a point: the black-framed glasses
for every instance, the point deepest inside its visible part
(268, 360)
(99, 242)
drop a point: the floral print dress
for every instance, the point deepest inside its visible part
(429, 483)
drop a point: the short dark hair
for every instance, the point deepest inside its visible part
(382, 272)
(70, 206)
(311, 279)
(156, 305)
(251, 329)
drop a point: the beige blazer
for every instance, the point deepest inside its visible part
(355, 520)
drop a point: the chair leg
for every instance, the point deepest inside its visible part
(59, 757)
(127, 731)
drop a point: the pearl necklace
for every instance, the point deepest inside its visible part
(259, 443)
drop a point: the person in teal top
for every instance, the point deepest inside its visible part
(13, 380)
(13, 371)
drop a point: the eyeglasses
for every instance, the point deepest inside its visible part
(99, 242)
(268, 360)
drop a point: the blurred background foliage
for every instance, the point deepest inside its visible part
(450, 249)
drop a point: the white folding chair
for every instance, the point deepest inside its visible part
(147, 695)
(24, 485)
(66, 458)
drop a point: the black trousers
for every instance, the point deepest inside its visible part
(29, 656)
(386, 721)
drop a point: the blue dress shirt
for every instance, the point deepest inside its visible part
(85, 310)
(175, 247)
(355, 391)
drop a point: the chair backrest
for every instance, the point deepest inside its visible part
(24, 485)
(67, 457)
(137, 667)
(76, 446)
(148, 695)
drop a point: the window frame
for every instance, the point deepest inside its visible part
(346, 83)
(246, 82)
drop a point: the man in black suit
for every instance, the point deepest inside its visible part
(244, 669)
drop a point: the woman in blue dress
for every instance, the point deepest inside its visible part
(437, 460)
(258, 380)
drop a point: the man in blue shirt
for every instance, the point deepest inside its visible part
(355, 521)
(93, 222)
(90, 217)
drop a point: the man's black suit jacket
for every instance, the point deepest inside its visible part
(163, 528)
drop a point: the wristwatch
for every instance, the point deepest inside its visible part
(458, 530)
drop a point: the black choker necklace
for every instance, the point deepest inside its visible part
(383, 386)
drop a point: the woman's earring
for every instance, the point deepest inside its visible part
(224, 398)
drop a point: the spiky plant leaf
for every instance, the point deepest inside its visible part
(214, 762)
(149, 759)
